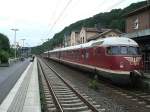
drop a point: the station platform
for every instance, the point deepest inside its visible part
(147, 80)
(25, 95)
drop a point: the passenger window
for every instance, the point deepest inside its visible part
(114, 50)
(124, 50)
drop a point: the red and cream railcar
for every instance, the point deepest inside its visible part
(116, 58)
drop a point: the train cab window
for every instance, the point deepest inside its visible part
(108, 50)
(134, 50)
(124, 50)
(113, 50)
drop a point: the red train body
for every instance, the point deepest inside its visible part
(115, 58)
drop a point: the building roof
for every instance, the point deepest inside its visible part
(76, 31)
(103, 33)
(91, 29)
(139, 10)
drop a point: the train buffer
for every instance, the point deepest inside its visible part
(24, 96)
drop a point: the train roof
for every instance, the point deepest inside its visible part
(109, 41)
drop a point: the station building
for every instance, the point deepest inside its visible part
(138, 28)
(25, 51)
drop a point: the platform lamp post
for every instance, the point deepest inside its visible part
(23, 42)
(15, 30)
(22, 51)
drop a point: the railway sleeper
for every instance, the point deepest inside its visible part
(57, 83)
(49, 101)
(50, 105)
(75, 109)
(70, 101)
(70, 95)
(47, 93)
(55, 80)
(64, 93)
(48, 96)
(61, 90)
(60, 87)
(52, 109)
(73, 104)
(87, 111)
(68, 98)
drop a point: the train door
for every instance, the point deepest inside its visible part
(146, 58)
(99, 57)
(84, 56)
(87, 55)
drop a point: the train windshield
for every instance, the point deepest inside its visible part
(123, 50)
(134, 50)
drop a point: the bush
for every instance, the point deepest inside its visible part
(93, 84)
(3, 56)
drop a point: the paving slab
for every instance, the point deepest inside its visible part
(24, 96)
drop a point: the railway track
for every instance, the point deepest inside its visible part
(142, 98)
(60, 96)
(139, 96)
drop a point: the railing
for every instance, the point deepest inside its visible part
(12, 60)
(137, 33)
(147, 66)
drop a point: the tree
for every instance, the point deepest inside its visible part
(4, 48)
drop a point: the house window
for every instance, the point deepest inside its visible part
(136, 23)
(83, 39)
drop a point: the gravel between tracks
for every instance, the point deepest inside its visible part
(106, 96)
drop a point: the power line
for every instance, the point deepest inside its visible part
(68, 3)
(62, 12)
(113, 5)
(65, 15)
(54, 12)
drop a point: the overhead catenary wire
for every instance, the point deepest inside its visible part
(55, 9)
(60, 15)
(116, 4)
(69, 2)
(72, 7)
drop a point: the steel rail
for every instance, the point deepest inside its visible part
(77, 93)
(56, 101)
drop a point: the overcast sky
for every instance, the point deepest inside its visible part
(38, 20)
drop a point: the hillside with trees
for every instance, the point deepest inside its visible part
(114, 19)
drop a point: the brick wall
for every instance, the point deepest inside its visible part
(143, 21)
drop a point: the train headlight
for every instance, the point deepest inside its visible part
(121, 65)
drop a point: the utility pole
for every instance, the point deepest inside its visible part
(22, 48)
(23, 42)
(148, 2)
(15, 30)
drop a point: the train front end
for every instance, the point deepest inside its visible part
(126, 60)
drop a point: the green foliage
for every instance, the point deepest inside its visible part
(11, 52)
(4, 48)
(93, 84)
(114, 19)
(4, 42)
(4, 56)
